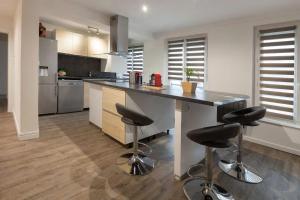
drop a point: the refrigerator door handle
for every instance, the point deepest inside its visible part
(56, 84)
(56, 78)
(56, 90)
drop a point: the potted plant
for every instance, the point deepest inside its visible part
(62, 72)
(188, 86)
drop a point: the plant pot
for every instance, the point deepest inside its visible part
(188, 87)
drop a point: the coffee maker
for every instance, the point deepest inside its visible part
(155, 80)
(136, 78)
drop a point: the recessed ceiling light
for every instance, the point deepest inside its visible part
(145, 8)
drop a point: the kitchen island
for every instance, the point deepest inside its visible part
(169, 107)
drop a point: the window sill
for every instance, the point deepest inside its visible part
(289, 124)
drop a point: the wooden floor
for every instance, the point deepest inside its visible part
(73, 160)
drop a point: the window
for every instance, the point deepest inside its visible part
(190, 53)
(135, 60)
(276, 70)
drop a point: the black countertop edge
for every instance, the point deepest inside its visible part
(76, 77)
(86, 78)
(222, 98)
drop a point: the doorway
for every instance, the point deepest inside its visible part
(3, 71)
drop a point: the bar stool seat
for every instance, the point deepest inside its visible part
(215, 136)
(198, 188)
(133, 118)
(245, 117)
(135, 163)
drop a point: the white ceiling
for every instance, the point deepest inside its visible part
(166, 15)
(7, 7)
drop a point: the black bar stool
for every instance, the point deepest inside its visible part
(136, 163)
(237, 169)
(197, 188)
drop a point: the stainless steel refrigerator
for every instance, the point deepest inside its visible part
(48, 76)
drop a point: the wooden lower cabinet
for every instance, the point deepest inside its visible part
(111, 97)
(113, 126)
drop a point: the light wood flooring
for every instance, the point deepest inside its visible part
(73, 160)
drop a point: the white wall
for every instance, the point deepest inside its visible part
(3, 63)
(154, 59)
(26, 69)
(230, 67)
(17, 65)
(116, 64)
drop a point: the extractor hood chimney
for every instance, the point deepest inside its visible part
(118, 36)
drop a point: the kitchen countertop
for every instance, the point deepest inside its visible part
(175, 92)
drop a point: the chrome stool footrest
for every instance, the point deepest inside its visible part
(239, 171)
(199, 189)
(233, 148)
(197, 171)
(148, 149)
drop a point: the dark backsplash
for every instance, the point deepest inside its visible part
(78, 66)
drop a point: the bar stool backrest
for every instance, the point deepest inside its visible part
(230, 107)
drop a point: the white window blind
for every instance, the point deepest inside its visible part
(189, 53)
(276, 60)
(135, 59)
(175, 59)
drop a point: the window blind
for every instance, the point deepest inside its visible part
(175, 59)
(276, 62)
(189, 53)
(135, 59)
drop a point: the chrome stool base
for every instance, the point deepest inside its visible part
(239, 171)
(136, 165)
(199, 189)
(196, 171)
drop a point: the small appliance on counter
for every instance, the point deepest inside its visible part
(155, 80)
(136, 78)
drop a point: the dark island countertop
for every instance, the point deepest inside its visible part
(175, 92)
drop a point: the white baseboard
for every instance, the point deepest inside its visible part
(273, 145)
(29, 135)
(16, 123)
(25, 135)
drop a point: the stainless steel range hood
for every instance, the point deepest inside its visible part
(118, 36)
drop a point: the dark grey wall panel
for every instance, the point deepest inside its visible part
(78, 65)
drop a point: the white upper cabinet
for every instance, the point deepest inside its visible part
(64, 41)
(79, 44)
(97, 47)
